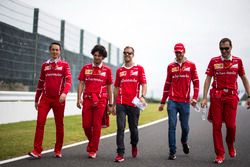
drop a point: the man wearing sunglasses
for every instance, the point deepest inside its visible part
(224, 70)
(129, 78)
(180, 73)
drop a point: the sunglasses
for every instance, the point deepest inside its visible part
(178, 52)
(226, 48)
(127, 53)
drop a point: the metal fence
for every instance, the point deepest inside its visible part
(25, 34)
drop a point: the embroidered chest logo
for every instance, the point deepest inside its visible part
(123, 73)
(103, 74)
(134, 73)
(59, 68)
(218, 66)
(175, 69)
(88, 72)
(235, 66)
(186, 69)
(47, 68)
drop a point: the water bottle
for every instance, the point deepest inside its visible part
(203, 113)
(197, 108)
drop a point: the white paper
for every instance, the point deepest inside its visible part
(136, 101)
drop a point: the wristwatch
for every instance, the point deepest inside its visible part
(110, 105)
(143, 96)
(248, 97)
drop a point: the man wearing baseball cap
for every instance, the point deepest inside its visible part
(180, 73)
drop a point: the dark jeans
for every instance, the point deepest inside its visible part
(184, 110)
(133, 114)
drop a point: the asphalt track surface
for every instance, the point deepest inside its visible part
(153, 149)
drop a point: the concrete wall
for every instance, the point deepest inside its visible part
(19, 106)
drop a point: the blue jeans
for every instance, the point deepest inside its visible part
(184, 110)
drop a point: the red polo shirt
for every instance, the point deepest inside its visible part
(96, 78)
(128, 80)
(225, 72)
(55, 79)
(177, 85)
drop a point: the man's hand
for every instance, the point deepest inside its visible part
(113, 110)
(79, 103)
(110, 109)
(161, 107)
(36, 105)
(62, 98)
(193, 102)
(248, 103)
(142, 99)
(204, 103)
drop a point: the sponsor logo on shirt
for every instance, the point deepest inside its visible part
(135, 73)
(228, 73)
(94, 79)
(103, 74)
(123, 73)
(180, 76)
(175, 69)
(59, 68)
(218, 66)
(234, 66)
(88, 72)
(53, 74)
(47, 68)
(128, 80)
(187, 69)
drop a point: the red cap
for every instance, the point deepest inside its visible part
(179, 47)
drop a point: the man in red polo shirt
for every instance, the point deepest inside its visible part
(94, 89)
(180, 73)
(224, 96)
(129, 78)
(53, 86)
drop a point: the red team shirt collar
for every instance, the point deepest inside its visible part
(99, 66)
(134, 64)
(185, 59)
(230, 58)
(54, 60)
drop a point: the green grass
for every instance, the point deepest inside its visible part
(16, 139)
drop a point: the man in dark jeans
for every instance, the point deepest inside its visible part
(129, 78)
(180, 73)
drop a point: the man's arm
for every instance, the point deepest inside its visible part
(110, 94)
(110, 98)
(143, 90)
(247, 88)
(205, 91)
(80, 89)
(116, 90)
(68, 83)
(40, 87)
(196, 86)
(166, 88)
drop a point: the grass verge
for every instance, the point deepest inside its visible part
(16, 139)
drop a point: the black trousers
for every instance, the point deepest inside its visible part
(133, 114)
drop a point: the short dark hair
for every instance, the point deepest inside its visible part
(129, 47)
(55, 43)
(101, 49)
(225, 40)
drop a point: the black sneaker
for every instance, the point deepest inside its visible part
(171, 156)
(185, 148)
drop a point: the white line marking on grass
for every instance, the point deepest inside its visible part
(79, 143)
